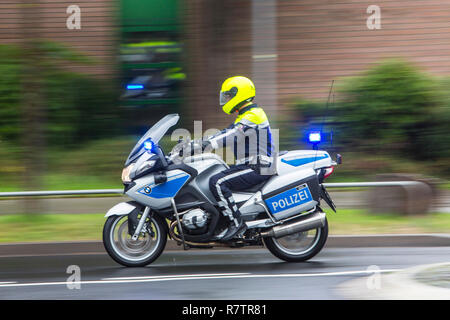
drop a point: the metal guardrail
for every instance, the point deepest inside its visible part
(23, 194)
(372, 184)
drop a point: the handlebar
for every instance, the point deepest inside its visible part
(184, 149)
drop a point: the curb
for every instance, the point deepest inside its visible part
(400, 285)
(388, 240)
(337, 241)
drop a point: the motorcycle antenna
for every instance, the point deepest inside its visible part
(328, 104)
(315, 146)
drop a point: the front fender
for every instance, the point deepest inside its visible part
(120, 209)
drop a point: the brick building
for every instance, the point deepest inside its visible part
(97, 38)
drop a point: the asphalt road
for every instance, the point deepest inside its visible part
(252, 274)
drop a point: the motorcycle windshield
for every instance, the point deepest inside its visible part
(155, 133)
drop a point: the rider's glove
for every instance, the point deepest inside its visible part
(178, 149)
(206, 146)
(194, 147)
(198, 146)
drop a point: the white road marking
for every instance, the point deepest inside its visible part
(7, 282)
(51, 254)
(196, 277)
(178, 276)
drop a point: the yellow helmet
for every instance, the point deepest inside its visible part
(235, 92)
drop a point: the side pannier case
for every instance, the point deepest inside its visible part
(291, 194)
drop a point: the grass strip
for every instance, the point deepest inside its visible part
(80, 227)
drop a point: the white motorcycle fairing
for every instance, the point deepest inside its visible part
(120, 209)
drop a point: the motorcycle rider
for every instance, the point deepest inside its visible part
(251, 140)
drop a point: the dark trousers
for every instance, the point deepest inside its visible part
(236, 178)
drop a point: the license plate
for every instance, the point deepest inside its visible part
(289, 199)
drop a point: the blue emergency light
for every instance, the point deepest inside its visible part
(315, 137)
(135, 87)
(149, 145)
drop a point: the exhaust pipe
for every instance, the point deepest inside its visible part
(304, 223)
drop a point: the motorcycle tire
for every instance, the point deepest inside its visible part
(276, 249)
(117, 251)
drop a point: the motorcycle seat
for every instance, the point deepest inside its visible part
(256, 187)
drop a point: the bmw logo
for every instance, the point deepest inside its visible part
(147, 190)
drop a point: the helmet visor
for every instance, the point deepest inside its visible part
(226, 96)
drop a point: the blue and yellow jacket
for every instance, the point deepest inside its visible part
(249, 136)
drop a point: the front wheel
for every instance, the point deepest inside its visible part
(134, 253)
(298, 247)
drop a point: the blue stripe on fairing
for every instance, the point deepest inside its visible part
(167, 189)
(302, 161)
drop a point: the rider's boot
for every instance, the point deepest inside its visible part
(236, 226)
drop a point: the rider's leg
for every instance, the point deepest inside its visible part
(221, 185)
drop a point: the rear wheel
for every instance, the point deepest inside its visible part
(134, 253)
(298, 247)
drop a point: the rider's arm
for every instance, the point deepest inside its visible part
(220, 139)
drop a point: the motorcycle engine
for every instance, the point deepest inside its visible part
(195, 221)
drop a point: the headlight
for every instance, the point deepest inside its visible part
(126, 173)
(145, 166)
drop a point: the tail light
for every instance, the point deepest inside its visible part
(328, 172)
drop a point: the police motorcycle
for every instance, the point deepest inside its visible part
(171, 199)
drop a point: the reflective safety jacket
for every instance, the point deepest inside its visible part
(249, 137)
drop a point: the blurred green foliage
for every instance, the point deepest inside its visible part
(10, 91)
(392, 118)
(392, 109)
(79, 108)
(94, 165)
